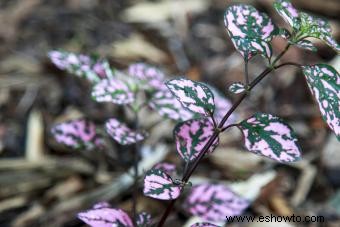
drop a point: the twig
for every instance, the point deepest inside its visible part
(48, 163)
(12, 203)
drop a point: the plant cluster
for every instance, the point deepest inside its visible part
(202, 113)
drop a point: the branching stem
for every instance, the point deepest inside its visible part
(288, 63)
(229, 126)
(210, 142)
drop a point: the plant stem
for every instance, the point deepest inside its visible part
(281, 54)
(213, 119)
(186, 167)
(246, 73)
(210, 142)
(288, 63)
(135, 176)
(229, 126)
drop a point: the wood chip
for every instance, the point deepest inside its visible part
(35, 137)
(135, 48)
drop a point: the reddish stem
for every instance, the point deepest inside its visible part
(204, 150)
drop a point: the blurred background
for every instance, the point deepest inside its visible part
(45, 184)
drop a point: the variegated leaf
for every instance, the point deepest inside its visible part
(143, 220)
(204, 224)
(324, 82)
(101, 205)
(134, 84)
(105, 217)
(271, 137)
(306, 44)
(214, 202)
(121, 133)
(305, 25)
(237, 88)
(78, 134)
(148, 74)
(284, 33)
(222, 105)
(90, 68)
(195, 96)
(159, 185)
(318, 28)
(112, 90)
(288, 12)
(166, 167)
(249, 30)
(167, 105)
(192, 135)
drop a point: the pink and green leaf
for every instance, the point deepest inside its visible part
(90, 68)
(192, 135)
(249, 30)
(193, 95)
(143, 220)
(271, 137)
(306, 44)
(148, 74)
(168, 106)
(101, 205)
(112, 90)
(324, 82)
(237, 88)
(159, 185)
(166, 167)
(78, 134)
(305, 25)
(288, 13)
(318, 28)
(121, 133)
(214, 202)
(284, 33)
(106, 217)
